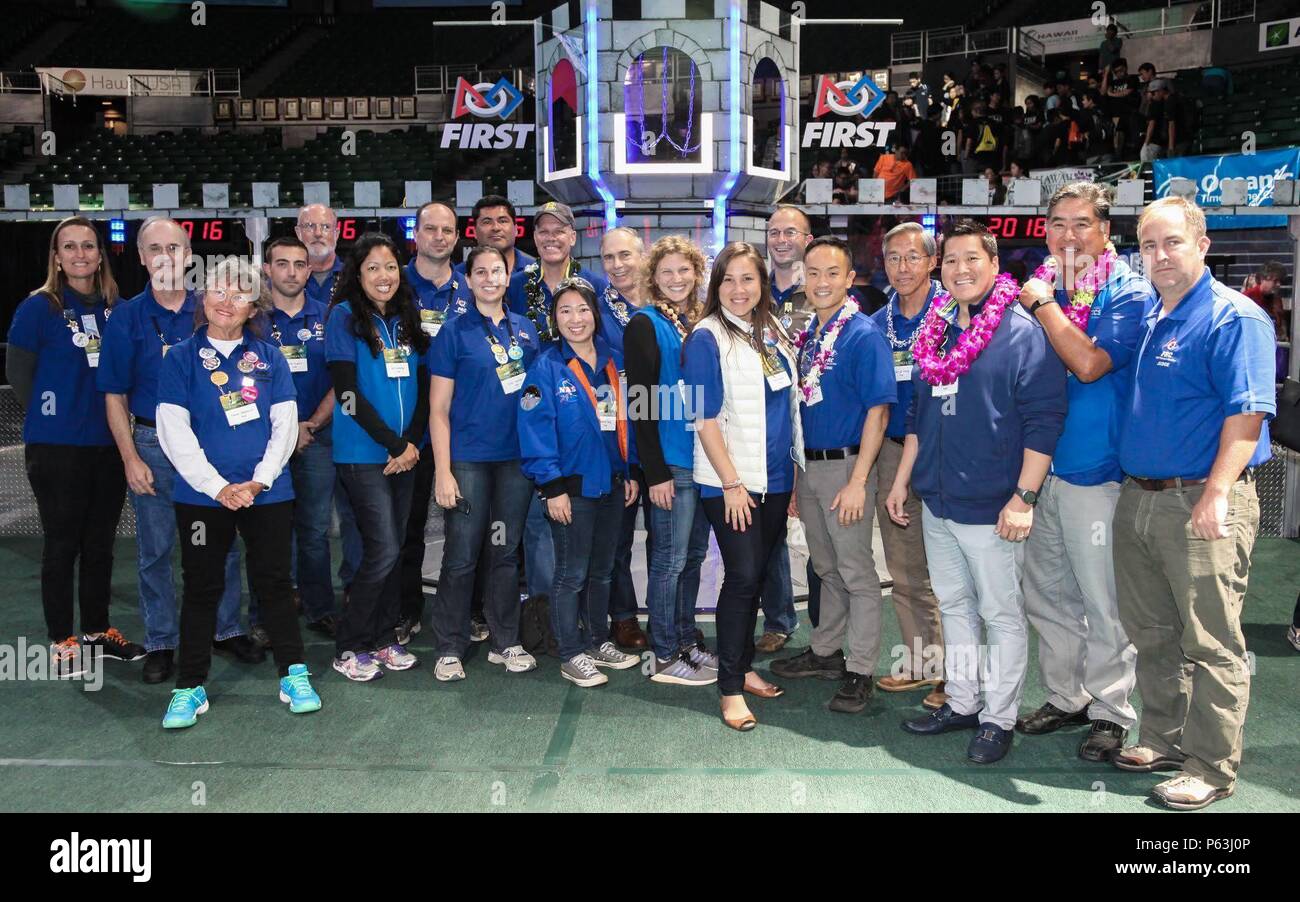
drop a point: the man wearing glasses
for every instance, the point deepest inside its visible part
(318, 228)
(494, 226)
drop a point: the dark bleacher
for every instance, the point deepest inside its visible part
(21, 23)
(1263, 99)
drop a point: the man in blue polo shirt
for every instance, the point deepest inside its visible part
(846, 378)
(298, 329)
(910, 257)
(136, 337)
(495, 226)
(1086, 660)
(977, 451)
(1188, 513)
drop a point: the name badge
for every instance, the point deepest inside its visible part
(943, 391)
(607, 413)
(296, 357)
(512, 376)
(814, 398)
(431, 321)
(395, 364)
(238, 409)
(777, 377)
(902, 366)
(92, 352)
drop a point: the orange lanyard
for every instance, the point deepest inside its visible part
(611, 373)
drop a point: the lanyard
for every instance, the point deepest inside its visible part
(161, 338)
(611, 373)
(492, 339)
(276, 333)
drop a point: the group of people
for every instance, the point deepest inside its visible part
(1075, 453)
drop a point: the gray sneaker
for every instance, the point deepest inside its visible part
(609, 656)
(702, 657)
(682, 671)
(581, 669)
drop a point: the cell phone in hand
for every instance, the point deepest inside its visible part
(462, 505)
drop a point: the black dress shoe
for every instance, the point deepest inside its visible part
(158, 666)
(1104, 740)
(853, 694)
(811, 664)
(989, 744)
(941, 721)
(1049, 719)
(326, 626)
(244, 649)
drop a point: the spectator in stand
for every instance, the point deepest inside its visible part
(1097, 128)
(928, 147)
(897, 172)
(1110, 48)
(998, 84)
(1124, 97)
(999, 119)
(976, 81)
(965, 128)
(918, 96)
(997, 190)
(1160, 133)
(1030, 142)
(956, 104)
(1056, 138)
(1050, 98)
(1066, 97)
(1179, 121)
(1265, 289)
(984, 142)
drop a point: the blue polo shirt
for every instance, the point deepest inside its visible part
(517, 293)
(615, 311)
(972, 444)
(703, 371)
(305, 329)
(1088, 451)
(321, 291)
(235, 451)
(483, 417)
(900, 350)
(137, 337)
(438, 302)
(393, 397)
(522, 261)
(1210, 358)
(559, 431)
(859, 376)
(65, 407)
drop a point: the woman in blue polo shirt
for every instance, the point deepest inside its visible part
(478, 365)
(740, 361)
(228, 422)
(375, 349)
(72, 463)
(574, 439)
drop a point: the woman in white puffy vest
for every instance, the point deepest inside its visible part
(739, 365)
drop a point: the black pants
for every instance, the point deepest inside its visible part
(744, 557)
(412, 562)
(206, 534)
(79, 494)
(381, 505)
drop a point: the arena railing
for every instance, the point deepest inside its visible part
(15, 82)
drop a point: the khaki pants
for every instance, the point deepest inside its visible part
(1180, 602)
(914, 602)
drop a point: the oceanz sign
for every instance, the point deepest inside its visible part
(1259, 170)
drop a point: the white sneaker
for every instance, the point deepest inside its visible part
(448, 669)
(515, 659)
(608, 655)
(581, 669)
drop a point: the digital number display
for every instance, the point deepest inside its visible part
(470, 232)
(1010, 227)
(204, 229)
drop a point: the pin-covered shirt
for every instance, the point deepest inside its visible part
(301, 339)
(137, 337)
(488, 362)
(900, 349)
(859, 376)
(229, 400)
(65, 407)
(1210, 358)
(560, 431)
(439, 302)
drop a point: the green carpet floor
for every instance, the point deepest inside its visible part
(533, 742)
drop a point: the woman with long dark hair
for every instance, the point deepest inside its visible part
(375, 349)
(741, 362)
(72, 463)
(478, 364)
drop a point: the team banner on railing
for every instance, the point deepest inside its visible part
(1260, 171)
(1066, 37)
(1056, 178)
(119, 82)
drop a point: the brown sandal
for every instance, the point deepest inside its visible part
(740, 724)
(772, 690)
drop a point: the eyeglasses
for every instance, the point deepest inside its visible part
(313, 227)
(219, 294)
(787, 234)
(912, 259)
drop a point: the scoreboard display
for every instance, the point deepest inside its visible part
(1012, 228)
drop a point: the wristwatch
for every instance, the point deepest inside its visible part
(1033, 308)
(1028, 496)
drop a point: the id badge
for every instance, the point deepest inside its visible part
(89, 325)
(607, 413)
(92, 352)
(237, 409)
(777, 377)
(431, 321)
(943, 391)
(512, 376)
(296, 357)
(902, 366)
(395, 364)
(814, 398)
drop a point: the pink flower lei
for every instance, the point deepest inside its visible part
(822, 357)
(938, 368)
(1086, 284)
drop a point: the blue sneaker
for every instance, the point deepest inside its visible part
(991, 743)
(185, 708)
(296, 690)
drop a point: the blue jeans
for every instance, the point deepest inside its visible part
(679, 543)
(381, 505)
(349, 536)
(622, 596)
(584, 560)
(539, 551)
(155, 534)
(778, 593)
(498, 495)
